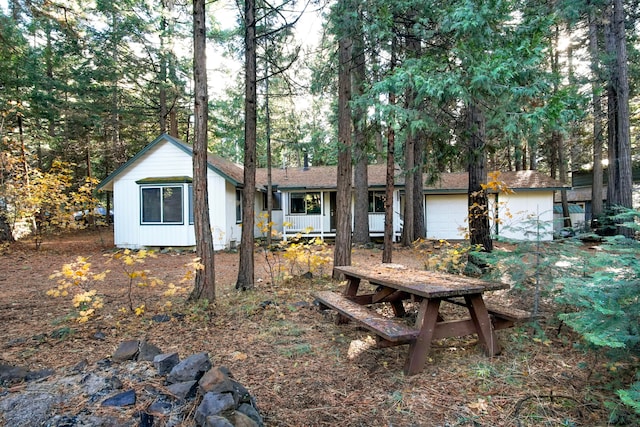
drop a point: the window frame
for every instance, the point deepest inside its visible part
(277, 201)
(371, 201)
(305, 196)
(161, 201)
(238, 206)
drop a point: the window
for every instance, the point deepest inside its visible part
(305, 203)
(376, 202)
(277, 199)
(190, 190)
(161, 205)
(238, 206)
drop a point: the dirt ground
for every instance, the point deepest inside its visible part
(303, 369)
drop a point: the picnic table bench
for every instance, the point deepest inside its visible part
(394, 284)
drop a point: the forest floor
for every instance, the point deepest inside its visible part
(303, 369)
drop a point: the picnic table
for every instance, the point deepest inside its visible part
(394, 284)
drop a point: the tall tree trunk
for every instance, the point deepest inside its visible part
(360, 177)
(619, 188)
(267, 117)
(342, 253)
(562, 171)
(597, 182)
(479, 230)
(624, 183)
(163, 75)
(246, 266)
(204, 287)
(413, 162)
(387, 251)
(419, 227)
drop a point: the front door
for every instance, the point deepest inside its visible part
(332, 210)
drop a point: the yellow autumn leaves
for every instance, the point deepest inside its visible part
(78, 280)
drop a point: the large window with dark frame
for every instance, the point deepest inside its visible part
(305, 203)
(161, 205)
(376, 201)
(238, 206)
(277, 201)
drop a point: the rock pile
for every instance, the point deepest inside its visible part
(138, 386)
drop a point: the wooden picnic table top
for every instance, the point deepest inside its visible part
(427, 284)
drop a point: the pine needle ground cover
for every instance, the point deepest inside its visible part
(303, 369)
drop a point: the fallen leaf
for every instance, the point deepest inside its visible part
(238, 355)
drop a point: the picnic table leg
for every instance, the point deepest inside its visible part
(482, 322)
(351, 290)
(353, 283)
(419, 349)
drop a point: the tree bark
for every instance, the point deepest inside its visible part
(624, 183)
(246, 264)
(342, 253)
(419, 227)
(204, 287)
(387, 251)
(597, 181)
(360, 178)
(479, 230)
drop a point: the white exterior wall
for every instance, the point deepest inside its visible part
(446, 216)
(163, 160)
(521, 214)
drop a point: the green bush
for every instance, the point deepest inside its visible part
(599, 289)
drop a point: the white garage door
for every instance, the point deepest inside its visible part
(446, 216)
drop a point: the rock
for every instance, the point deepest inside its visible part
(251, 412)
(37, 375)
(164, 363)
(93, 383)
(114, 383)
(31, 410)
(211, 378)
(191, 368)
(241, 420)
(213, 404)
(183, 390)
(11, 374)
(160, 408)
(160, 318)
(150, 404)
(146, 420)
(127, 350)
(148, 351)
(80, 366)
(217, 421)
(126, 398)
(100, 336)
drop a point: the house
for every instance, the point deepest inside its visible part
(153, 197)
(153, 200)
(580, 192)
(306, 200)
(521, 201)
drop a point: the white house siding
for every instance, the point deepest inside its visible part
(446, 216)
(521, 212)
(162, 160)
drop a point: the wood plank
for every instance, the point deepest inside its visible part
(392, 330)
(511, 314)
(427, 284)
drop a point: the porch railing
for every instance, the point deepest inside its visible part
(298, 223)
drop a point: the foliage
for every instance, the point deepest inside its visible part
(444, 256)
(306, 255)
(598, 287)
(295, 256)
(42, 201)
(76, 279)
